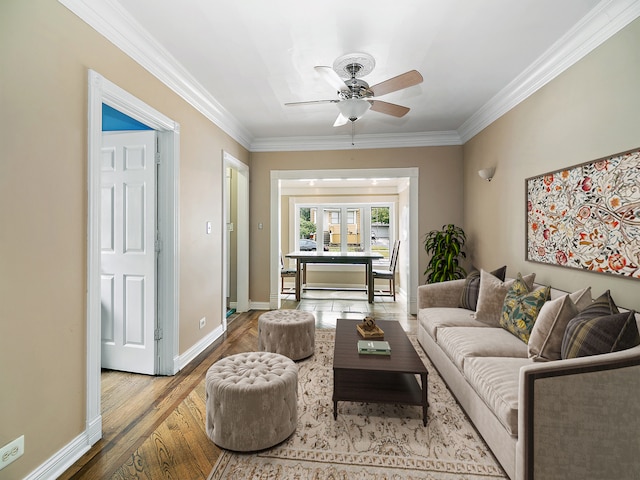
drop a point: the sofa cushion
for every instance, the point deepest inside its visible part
(432, 319)
(459, 343)
(495, 380)
(521, 307)
(545, 342)
(491, 297)
(594, 334)
(471, 290)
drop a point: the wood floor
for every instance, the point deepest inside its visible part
(154, 427)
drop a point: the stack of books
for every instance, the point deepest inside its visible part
(374, 347)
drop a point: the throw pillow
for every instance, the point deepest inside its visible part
(587, 336)
(469, 297)
(491, 297)
(521, 308)
(582, 298)
(545, 342)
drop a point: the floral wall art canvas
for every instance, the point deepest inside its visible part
(587, 216)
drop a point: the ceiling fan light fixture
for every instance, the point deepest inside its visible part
(353, 108)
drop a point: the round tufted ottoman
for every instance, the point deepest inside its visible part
(251, 400)
(287, 332)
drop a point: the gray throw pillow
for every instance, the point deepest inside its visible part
(545, 342)
(471, 289)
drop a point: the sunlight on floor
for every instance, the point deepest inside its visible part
(329, 305)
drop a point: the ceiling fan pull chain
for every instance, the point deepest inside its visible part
(353, 129)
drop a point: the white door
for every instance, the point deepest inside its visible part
(128, 258)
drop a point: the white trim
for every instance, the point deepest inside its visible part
(100, 90)
(242, 234)
(364, 141)
(62, 459)
(276, 222)
(200, 347)
(261, 305)
(604, 21)
(110, 20)
(169, 258)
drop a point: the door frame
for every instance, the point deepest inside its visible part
(407, 233)
(101, 90)
(242, 234)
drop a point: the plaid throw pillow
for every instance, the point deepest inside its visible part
(600, 328)
(471, 290)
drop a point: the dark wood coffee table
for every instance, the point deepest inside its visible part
(377, 378)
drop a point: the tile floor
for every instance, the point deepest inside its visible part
(329, 305)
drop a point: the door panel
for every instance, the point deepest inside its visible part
(128, 259)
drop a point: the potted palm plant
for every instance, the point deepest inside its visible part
(445, 248)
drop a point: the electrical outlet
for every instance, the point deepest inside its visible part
(203, 322)
(11, 451)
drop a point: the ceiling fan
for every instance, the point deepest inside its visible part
(355, 96)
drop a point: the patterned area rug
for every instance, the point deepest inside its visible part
(367, 441)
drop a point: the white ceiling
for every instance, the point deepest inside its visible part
(239, 61)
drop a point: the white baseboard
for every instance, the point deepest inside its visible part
(63, 459)
(260, 306)
(199, 347)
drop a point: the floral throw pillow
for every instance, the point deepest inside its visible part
(521, 307)
(491, 297)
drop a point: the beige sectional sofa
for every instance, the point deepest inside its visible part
(572, 418)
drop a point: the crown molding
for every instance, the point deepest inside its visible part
(364, 141)
(110, 20)
(604, 21)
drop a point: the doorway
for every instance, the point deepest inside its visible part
(235, 249)
(102, 91)
(407, 223)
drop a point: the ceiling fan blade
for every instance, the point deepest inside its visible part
(312, 102)
(332, 78)
(388, 108)
(405, 80)
(341, 120)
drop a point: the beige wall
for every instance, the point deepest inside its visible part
(439, 192)
(45, 53)
(588, 112)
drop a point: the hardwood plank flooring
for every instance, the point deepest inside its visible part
(154, 427)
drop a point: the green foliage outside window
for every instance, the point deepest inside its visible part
(307, 227)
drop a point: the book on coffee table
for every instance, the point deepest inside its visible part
(375, 347)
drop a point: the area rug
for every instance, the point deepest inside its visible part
(367, 441)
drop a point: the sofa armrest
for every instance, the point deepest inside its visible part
(578, 418)
(443, 294)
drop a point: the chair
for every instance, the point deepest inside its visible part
(286, 273)
(388, 274)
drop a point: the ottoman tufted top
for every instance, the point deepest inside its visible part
(252, 368)
(287, 316)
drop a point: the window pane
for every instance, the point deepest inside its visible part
(354, 230)
(380, 231)
(307, 240)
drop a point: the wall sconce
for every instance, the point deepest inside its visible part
(487, 173)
